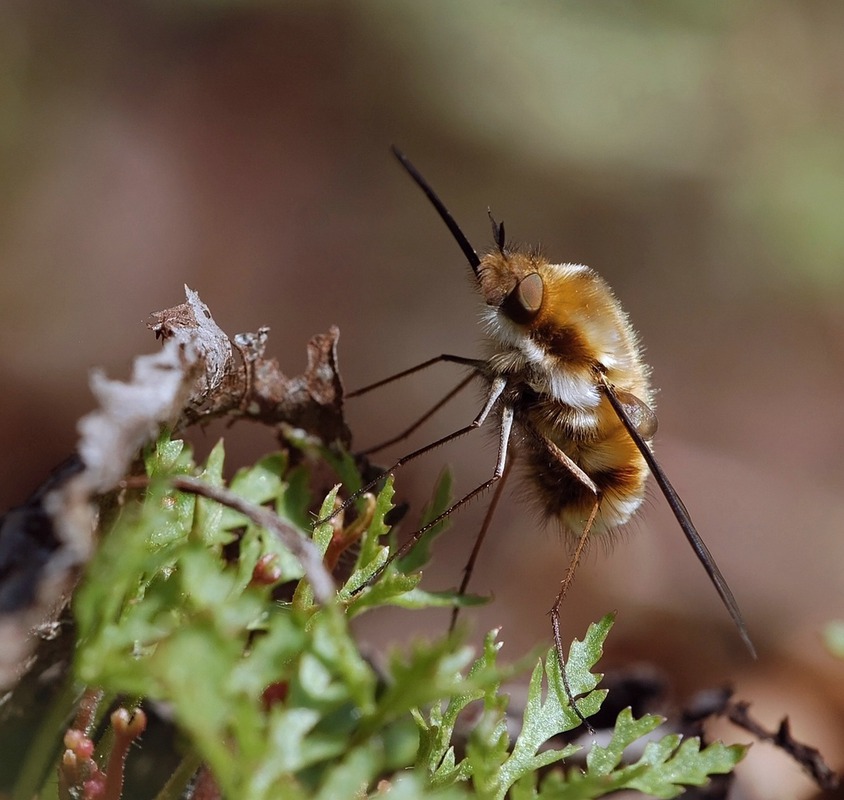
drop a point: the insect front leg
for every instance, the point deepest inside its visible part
(476, 365)
(400, 437)
(496, 389)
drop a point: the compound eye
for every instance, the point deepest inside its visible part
(524, 302)
(530, 290)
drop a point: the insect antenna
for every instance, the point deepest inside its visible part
(680, 512)
(477, 365)
(497, 232)
(445, 214)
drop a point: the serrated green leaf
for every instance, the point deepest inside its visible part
(208, 515)
(544, 719)
(419, 598)
(168, 457)
(664, 769)
(427, 673)
(271, 655)
(250, 548)
(387, 590)
(343, 464)
(296, 499)
(413, 786)
(670, 770)
(323, 533)
(603, 760)
(371, 546)
(212, 472)
(199, 705)
(291, 747)
(488, 749)
(584, 655)
(263, 481)
(277, 698)
(334, 645)
(351, 775)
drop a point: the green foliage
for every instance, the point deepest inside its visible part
(275, 696)
(834, 637)
(666, 765)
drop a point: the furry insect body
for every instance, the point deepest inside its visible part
(551, 347)
(572, 396)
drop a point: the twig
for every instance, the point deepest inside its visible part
(808, 757)
(298, 544)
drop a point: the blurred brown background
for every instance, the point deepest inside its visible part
(692, 153)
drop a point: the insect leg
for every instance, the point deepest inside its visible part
(582, 540)
(503, 445)
(475, 363)
(424, 418)
(496, 388)
(479, 539)
(554, 613)
(682, 515)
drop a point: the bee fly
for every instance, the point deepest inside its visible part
(571, 395)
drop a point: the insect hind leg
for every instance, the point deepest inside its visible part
(579, 475)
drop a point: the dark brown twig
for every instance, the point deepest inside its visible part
(808, 757)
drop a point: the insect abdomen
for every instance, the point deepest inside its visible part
(604, 451)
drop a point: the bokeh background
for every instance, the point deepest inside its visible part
(691, 152)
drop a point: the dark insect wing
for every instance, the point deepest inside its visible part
(682, 515)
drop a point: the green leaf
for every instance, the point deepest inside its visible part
(436, 733)
(670, 768)
(372, 555)
(429, 672)
(277, 697)
(351, 775)
(333, 644)
(548, 717)
(834, 636)
(372, 551)
(413, 786)
(262, 482)
(168, 457)
(664, 769)
(296, 499)
(323, 533)
(343, 464)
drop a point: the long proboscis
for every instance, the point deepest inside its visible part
(445, 214)
(685, 521)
